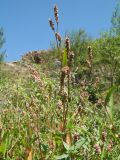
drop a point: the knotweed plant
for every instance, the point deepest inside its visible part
(65, 75)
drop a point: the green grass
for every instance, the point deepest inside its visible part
(31, 120)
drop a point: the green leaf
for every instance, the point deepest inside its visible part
(2, 148)
(111, 106)
(70, 124)
(119, 157)
(80, 143)
(110, 92)
(62, 157)
(64, 58)
(67, 147)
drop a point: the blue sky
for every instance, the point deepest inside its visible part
(26, 27)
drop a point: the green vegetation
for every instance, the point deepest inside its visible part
(65, 105)
(116, 20)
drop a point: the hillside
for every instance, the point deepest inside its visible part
(32, 112)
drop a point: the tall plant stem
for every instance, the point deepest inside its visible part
(56, 40)
(57, 27)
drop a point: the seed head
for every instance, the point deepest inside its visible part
(56, 13)
(58, 37)
(67, 44)
(64, 96)
(104, 135)
(55, 9)
(76, 137)
(109, 147)
(59, 104)
(51, 24)
(65, 70)
(90, 57)
(97, 148)
(71, 54)
(70, 57)
(90, 52)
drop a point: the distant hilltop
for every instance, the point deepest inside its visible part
(35, 56)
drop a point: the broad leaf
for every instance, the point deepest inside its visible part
(67, 147)
(111, 91)
(62, 157)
